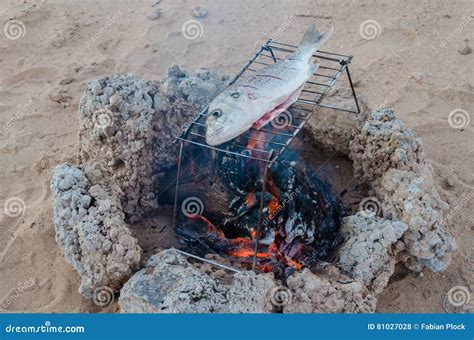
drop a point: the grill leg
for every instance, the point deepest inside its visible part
(175, 211)
(260, 216)
(352, 88)
(273, 55)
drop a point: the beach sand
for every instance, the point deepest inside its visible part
(417, 61)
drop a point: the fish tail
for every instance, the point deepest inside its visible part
(312, 40)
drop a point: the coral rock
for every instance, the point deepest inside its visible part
(384, 143)
(313, 293)
(196, 89)
(368, 253)
(170, 284)
(412, 197)
(91, 231)
(129, 125)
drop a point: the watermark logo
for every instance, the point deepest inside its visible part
(281, 296)
(370, 29)
(20, 288)
(286, 24)
(459, 119)
(21, 111)
(290, 197)
(457, 31)
(177, 132)
(46, 328)
(14, 207)
(103, 296)
(246, 153)
(379, 285)
(192, 206)
(458, 296)
(370, 207)
(192, 30)
(109, 22)
(463, 203)
(283, 120)
(14, 29)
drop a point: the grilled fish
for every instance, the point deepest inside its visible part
(256, 100)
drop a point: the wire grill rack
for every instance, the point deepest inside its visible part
(332, 66)
(273, 142)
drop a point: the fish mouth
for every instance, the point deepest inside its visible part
(212, 137)
(212, 133)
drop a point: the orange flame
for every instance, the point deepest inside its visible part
(250, 199)
(246, 245)
(245, 252)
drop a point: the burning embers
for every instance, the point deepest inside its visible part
(299, 222)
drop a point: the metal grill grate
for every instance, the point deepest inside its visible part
(332, 66)
(275, 141)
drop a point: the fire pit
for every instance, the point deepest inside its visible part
(314, 213)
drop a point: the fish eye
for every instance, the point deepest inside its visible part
(235, 94)
(216, 113)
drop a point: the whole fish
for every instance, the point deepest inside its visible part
(256, 100)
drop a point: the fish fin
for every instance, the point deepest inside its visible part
(312, 39)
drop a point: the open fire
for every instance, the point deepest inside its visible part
(299, 220)
(265, 207)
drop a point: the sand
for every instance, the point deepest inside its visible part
(412, 63)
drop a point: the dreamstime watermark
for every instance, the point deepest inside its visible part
(14, 207)
(283, 120)
(14, 29)
(192, 30)
(379, 285)
(19, 113)
(457, 31)
(103, 296)
(459, 119)
(454, 211)
(382, 107)
(370, 206)
(281, 296)
(370, 29)
(177, 132)
(192, 206)
(19, 289)
(45, 328)
(286, 24)
(289, 197)
(110, 21)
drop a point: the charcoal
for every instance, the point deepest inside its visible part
(301, 216)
